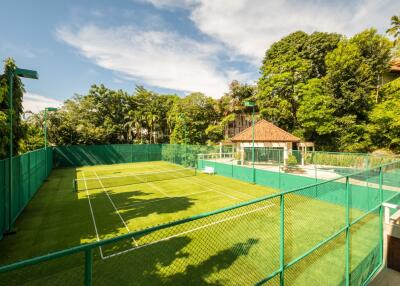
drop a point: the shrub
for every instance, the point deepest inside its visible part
(292, 160)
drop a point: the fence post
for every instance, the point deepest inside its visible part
(380, 215)
(88, 267)
(347, 231)
(282, 240)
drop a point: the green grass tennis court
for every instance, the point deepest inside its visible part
(237, 247)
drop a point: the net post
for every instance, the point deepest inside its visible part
(347, 231)
(282, 239)
(74, 186)
(88, 267)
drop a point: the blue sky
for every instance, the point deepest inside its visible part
(170, 46)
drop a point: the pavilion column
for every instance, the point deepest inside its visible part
(285, 154)
(242, 154)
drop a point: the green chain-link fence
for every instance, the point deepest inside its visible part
(29, 172)
(326, 232)
(290, 238)
(270, 167)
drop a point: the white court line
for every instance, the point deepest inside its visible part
(152, 185)
(229, 196)
(94, 221)
(124, 175)
(190, 231)
(162, 199)
(158, 189)
(116, 209)
(229, 189)
(219, 192)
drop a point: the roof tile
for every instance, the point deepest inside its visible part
(265, 131)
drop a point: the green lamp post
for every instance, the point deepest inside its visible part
(253, 105)
(47, 109)
(11, 73)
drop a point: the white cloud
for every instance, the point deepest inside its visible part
(159, 58)
(237, 31)
(168, 4)
(249, 27)
(36, 103)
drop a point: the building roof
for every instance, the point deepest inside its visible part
(395, 66)
(265, 131)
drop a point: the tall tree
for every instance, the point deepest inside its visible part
(316, 115)
(191, 116)
(394, 30)
(385, 118)
(17, 127)
(287, 66)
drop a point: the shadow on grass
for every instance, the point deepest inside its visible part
(171, 262)
(112, 219)
(54, 219)
(177, 261)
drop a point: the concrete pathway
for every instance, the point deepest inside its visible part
(386, 277)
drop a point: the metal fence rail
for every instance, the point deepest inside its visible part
(323, 233)
(286, 253)
(29, 172)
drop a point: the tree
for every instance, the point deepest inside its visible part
(287, 66)
(317, 46)
(316, 114)
(283, 72)
(385, 118)
(33, 132)
(354, 70)
(349, 79)
(191, 116)
(18, 128)
(394, 30)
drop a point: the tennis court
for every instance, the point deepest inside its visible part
(159, 222)
(130, 197)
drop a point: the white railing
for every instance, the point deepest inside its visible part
(391, 219)
(215, 156)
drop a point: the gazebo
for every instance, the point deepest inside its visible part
(268, 135)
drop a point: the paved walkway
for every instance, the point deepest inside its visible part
(386, 277)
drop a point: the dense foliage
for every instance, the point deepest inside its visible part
(322, 87)
(326, 101)
(19, 129)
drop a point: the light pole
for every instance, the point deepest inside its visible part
(253, 105)
(45, 132)
(11, 73)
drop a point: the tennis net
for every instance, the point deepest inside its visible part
(130, 179)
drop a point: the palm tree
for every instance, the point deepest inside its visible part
(394, 30)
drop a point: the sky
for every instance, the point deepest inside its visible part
(170, 46)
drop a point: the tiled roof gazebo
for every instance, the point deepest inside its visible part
(266, 134)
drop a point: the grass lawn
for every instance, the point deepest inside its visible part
(238, 247)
